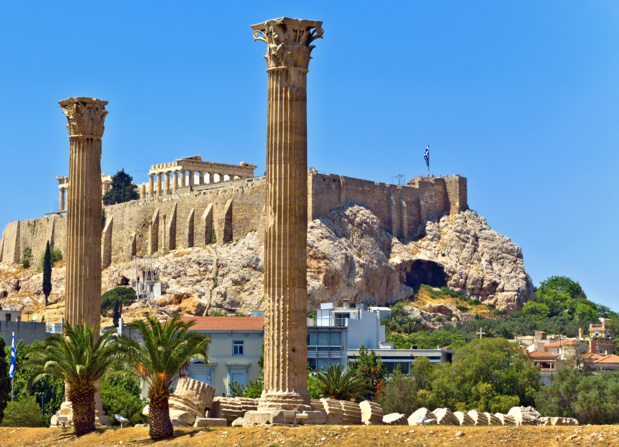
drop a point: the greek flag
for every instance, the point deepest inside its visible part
(426, 156)
(13, 357)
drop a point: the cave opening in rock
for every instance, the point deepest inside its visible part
(425, 272)
(124, 281)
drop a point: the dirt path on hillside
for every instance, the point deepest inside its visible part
(347, 436)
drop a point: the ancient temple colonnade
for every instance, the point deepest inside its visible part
(164, 179)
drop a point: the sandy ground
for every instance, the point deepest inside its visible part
(324, 436)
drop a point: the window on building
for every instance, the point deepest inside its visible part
(7, 316)
(237, 348)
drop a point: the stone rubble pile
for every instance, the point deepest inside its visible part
(525, 415)
(557, 421)
(231, 408)
(421, 416)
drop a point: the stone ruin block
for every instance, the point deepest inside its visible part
(444, 416)
(557, 421)
(492, 419)
(394, 419)
(464, 418)
(505, 419)
(230, 408)
(194, 390)
(190, 400)
(524, 415)
(248, 404)
(210, 422)
(341, 412)
(371, 413)
(181, 418)
(478, 417)
(421, 416)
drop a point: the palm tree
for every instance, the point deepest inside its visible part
(163, 356)
(79, 357)
(338, 384)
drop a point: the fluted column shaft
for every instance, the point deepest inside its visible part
(166, 184)
(151, 186)
(285, 266)
(61, 202)
(83, 277)
(159, 183)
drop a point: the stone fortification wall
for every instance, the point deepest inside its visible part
(403, 210)
(188, 217)
(33, 233)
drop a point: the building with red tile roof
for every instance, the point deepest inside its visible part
(236, 345)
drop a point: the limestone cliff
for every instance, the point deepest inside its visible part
(350, 256)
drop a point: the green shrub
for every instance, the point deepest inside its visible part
(121, 395)
(124, 295)
(462, 307)
(55, 253)
(25, 263)
(24, 412)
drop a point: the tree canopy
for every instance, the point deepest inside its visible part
(123, 190)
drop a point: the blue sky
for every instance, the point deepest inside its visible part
(521, 97)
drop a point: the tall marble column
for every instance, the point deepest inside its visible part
(151, 186)
(183, 178)
(159, 184)
(61, 204)
(166, 183)
(83, 290)
(285, 267)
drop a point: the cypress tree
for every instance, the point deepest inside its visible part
(47, 273)
(5, 381)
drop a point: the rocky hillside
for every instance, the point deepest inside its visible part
(349, 256)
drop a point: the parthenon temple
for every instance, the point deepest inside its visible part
(191, 171)
(164, 179)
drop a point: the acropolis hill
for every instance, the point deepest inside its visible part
(367, 241)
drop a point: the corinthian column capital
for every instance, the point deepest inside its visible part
(288, 41)
(85, 116)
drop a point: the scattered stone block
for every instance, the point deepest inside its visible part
(505, 419)
(478, 417)
(182, 417)
(313, 418)
(341, 412)
(492, 419)
(394, 419)
(420, 417)
(228, 408)
(444, 416)
(371, 413)
(464, 418)
(264, 417)
(210, 422)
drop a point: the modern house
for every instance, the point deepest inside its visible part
(337, 333)
(601, 339)
(236, 345)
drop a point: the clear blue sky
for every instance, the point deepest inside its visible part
(521, 97)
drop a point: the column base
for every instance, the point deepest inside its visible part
(284, 401)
